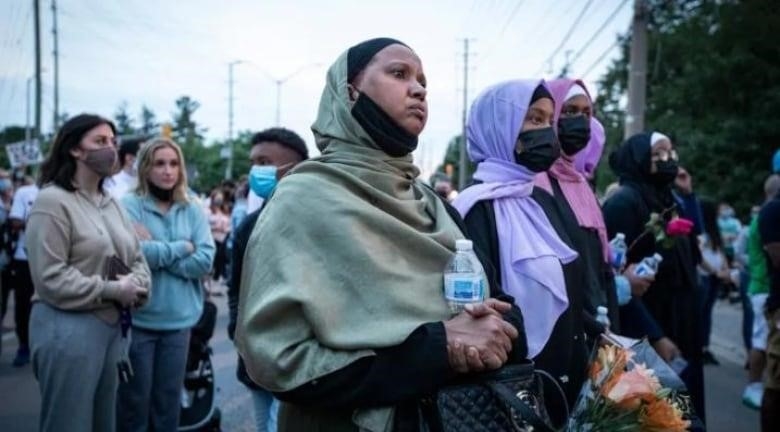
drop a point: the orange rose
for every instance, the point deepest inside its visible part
(616, 366)
(638, 384)
(662, 416)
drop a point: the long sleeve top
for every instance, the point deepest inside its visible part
(176, 273)
(69, 239)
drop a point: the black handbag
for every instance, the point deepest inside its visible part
(507, 400)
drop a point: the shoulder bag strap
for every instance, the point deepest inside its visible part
(522, 412)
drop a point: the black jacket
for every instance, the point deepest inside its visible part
(565, 356)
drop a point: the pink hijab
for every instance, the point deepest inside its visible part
(573, 183)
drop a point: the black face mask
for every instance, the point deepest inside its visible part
(666, 172)
(385, 132)
(164, 195)
(540, 149)
(574, 134)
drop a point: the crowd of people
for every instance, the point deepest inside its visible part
(334, 264)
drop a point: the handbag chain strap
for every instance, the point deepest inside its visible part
(520, 412)
(550, 378)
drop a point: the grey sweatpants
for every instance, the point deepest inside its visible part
(74, 356)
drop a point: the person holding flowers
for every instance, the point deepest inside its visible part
(644, 209)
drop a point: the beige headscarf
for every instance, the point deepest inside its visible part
(347, 257)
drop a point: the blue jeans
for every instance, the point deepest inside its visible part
(709, 286)
(266, 410)
(152, 398)
(747, 311)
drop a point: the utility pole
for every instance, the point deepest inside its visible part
(464, 161)
(56, 53)
(229, 169)
(37, 20)
(27, 125)
(637, 78)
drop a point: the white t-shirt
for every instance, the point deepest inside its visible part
(253, 202)
(24, 198)
(120, 184)
(713, 257)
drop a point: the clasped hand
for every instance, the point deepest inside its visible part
(478, 338)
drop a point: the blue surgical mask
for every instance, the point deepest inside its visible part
(262, 180)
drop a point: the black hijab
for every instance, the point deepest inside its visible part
(632, 162)
(386, 133)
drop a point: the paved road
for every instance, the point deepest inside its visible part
(19, 400)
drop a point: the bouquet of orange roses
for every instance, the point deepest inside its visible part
(630, 388)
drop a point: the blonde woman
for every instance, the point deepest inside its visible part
(176, 241)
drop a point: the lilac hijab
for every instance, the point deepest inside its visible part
(530, 250)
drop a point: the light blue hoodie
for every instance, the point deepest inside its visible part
(177, 293)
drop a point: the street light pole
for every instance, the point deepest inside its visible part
(282, 81)
(229, 168)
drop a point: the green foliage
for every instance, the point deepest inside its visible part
(452, 157)
(149, 125)
(210, 167)
(714, 87)
(185, 130)
(123, 121)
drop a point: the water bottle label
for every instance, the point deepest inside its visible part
(463, 289)
(643, 270)
(617, 259)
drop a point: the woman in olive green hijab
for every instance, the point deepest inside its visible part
(342, 314)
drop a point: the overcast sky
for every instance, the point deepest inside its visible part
(152, 52)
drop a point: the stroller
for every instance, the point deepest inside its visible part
(198, 399)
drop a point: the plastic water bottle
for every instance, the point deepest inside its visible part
(601, 316)
(649, 265)
(678, 364)
(618, 248)
(464, 278)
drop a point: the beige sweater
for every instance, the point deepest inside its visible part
(69, 239)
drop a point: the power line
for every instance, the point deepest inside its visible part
(469, 14)
(601, 58)
(12, 18)
(565, 38)
(16, 63)
(510, 18)
(503, 28)
(597, 33)
(544, 16)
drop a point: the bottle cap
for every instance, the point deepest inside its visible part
(464, 245)
(602, 310)
(620, 236)
(658, 257)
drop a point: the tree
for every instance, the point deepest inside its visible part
(452, 162)
(148, 122)
(209, 165)
(123, 120)
(185, 130)
(714, 87)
